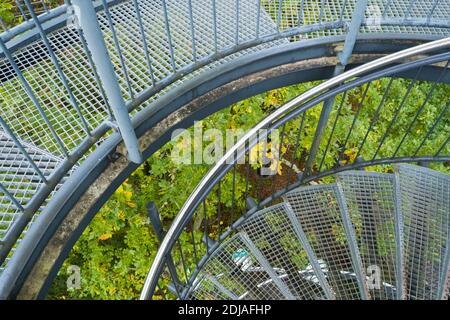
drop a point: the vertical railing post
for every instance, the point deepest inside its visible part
(88, 23)
(153, 215)
(344, 56)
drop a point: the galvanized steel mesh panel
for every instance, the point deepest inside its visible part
(319, 213)
(34, 61)
(371, 205)
(19, 178)
(272, 232)
(425, 206)
(237, 269)
(170, 43)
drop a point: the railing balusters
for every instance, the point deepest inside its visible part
(439, 118)
(355, 117)
(321, 11)
(341, 15)
(430, 14)
(236, 36)
(153, 215)
(214, 18)
(258, 17)
(247, 175)
(22, 12)
(194, 245)
(297, 144)
(191, 22)
(95, 73)
(442, 147)
(33, 98)
(409, 8)
(344, 56)
(144, 40)
(205, 219)
(4, 26)
(183, 261)
(219, 205)
(279, 13)
(16, 141)
(118, 48)
(375, 116)
(332, 130)
(233, 190)
(301, 14)
(11, 197)
(278, 161)
(386, 7)
(169, 36)
(44, 5)
(397, 112)
(421, 108)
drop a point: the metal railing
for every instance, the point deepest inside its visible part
(76, 73)
(289, 119)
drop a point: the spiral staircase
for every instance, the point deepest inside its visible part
(89, 89)
(325, 241)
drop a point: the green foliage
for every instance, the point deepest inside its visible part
(6, 11)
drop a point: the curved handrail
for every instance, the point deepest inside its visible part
(205, 184)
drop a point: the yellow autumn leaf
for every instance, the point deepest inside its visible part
(105, 236)
(131, 204)
(351, 154)
(127, 194)
(254, 154)
(276, 166)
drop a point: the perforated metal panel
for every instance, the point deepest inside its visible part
(425, 206)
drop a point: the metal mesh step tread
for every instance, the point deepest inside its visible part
(371, 204)
(398, 224)
(19, 178)
(425, 209)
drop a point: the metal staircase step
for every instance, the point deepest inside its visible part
(239, 266)
(322, 213)
(174, 40)
(209, 288)
(272, 232)
(20, 179)
(371, 204)
(425, 209)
